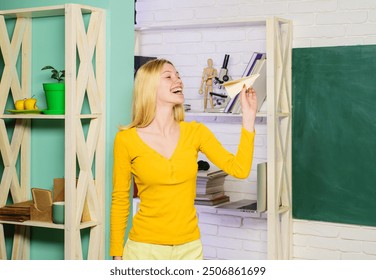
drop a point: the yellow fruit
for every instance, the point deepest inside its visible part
(20, 104)
(30, 104)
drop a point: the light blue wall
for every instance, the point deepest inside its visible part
(47, 135)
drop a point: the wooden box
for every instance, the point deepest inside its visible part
(41, 209)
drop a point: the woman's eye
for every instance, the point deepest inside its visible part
(172, 77)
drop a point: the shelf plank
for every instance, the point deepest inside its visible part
(49, 225)
(58, 10)
(213, 117)
(42, 116)
(217, 117)
(261, 21)
(47, 11)
(35, 224)
(226, 117)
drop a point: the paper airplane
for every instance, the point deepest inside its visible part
(233, 87)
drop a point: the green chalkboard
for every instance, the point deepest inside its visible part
(334, 134)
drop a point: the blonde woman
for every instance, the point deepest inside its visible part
(160, 151)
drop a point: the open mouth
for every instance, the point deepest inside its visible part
(178, 90)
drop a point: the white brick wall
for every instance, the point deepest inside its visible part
(316, 23)
(227, 235)
(319, 240)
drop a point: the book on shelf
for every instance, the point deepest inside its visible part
(210, 196)
(209, 190)
(231, 104)
(209, 182)
(210, 187)
(17, 212)
(9, 210)
(212, 202)
(210, 174)
(200, 182)
(253, 67)
(259, 84)
(14, 218)
(255, 56)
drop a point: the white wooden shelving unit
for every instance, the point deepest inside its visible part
(82, 152)
(279, 115)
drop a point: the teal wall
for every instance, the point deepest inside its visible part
(46, 135)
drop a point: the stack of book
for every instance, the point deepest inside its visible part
(210, 188)
(187, 107)
(18, 212)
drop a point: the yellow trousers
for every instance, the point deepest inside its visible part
(144, 251)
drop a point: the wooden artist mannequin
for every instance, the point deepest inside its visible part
(208, 76)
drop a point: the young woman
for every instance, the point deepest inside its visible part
(160, 151)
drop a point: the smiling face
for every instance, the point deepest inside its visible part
(170, 88)
(157, 85)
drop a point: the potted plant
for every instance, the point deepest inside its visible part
(55, 92)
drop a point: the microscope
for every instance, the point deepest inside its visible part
(221, 98)
(223, 73)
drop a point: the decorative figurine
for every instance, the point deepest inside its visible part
(208, 75)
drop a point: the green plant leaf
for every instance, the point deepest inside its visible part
(47, 67)
(57, 75)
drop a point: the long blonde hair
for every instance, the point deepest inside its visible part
(145, 95)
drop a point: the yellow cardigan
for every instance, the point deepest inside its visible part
(167, 186)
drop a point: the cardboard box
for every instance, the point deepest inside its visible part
(41, 209)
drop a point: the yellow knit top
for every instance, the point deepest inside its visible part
(167, 186)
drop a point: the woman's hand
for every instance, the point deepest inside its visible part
(117, 258)
(248, 102)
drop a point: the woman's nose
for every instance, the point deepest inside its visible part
(177, 80)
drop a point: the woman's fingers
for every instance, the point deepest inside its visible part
(250, 90)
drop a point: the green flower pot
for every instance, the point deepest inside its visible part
(55, 97)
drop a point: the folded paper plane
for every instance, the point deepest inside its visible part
(233, 87)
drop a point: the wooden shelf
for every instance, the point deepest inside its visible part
(48, 11)
(212, 117)
(48, 117)
(261, 21)
(84, 142)
(217, 117)
(49, 225)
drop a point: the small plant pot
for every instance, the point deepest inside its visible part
(55, 98)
